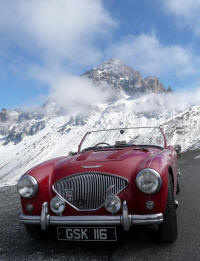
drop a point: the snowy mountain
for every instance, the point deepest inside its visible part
(56, 136)
(28, 138)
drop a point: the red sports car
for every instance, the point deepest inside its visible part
(118, 178)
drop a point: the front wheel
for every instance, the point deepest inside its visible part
(168, 229)
(178, 188)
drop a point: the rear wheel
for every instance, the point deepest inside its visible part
(168, 229)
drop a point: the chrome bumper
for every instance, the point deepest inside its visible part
(126, 220)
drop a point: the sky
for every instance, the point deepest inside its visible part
(46, 44)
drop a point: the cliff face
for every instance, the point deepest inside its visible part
(122, 78)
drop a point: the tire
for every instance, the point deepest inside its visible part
(178, 188)
(35, 232)
(168, 229)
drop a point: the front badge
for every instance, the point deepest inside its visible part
(69, 195)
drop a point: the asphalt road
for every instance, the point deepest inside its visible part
(141, 244)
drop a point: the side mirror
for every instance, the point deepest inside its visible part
(71, 153)
(177, 148)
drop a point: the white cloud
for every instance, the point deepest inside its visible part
(48, 38)
(146, 54)
(55, 34)
(167, 103)
(187, 12)
(75, 94)
(56, 29)
(71, 93)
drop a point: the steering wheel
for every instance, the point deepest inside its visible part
(102, 143)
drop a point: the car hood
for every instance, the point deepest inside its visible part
(104, 155)
(123, 162)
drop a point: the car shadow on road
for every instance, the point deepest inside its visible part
(136, 241)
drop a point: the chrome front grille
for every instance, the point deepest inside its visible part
(87, 191)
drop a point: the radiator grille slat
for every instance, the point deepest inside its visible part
(87, 191)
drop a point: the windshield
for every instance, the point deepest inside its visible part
(148, 136)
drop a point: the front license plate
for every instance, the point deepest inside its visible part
(87, 233)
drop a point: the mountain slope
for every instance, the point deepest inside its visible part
(62, 134)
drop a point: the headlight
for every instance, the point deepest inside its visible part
(27, 186)
(57, 205)
(113, 204)
(149, 181)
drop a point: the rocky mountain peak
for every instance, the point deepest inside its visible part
(9, 115)
(115, 66)
(123, 79)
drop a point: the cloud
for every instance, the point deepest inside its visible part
(146, 54)
(162, 106)
(47, 39)
(56, 29)
(72, 93)
(75, 94)
(187, 12)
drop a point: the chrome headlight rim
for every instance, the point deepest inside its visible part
(34, 183)
(156, 174)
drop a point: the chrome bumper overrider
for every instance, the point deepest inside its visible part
(126, 220)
